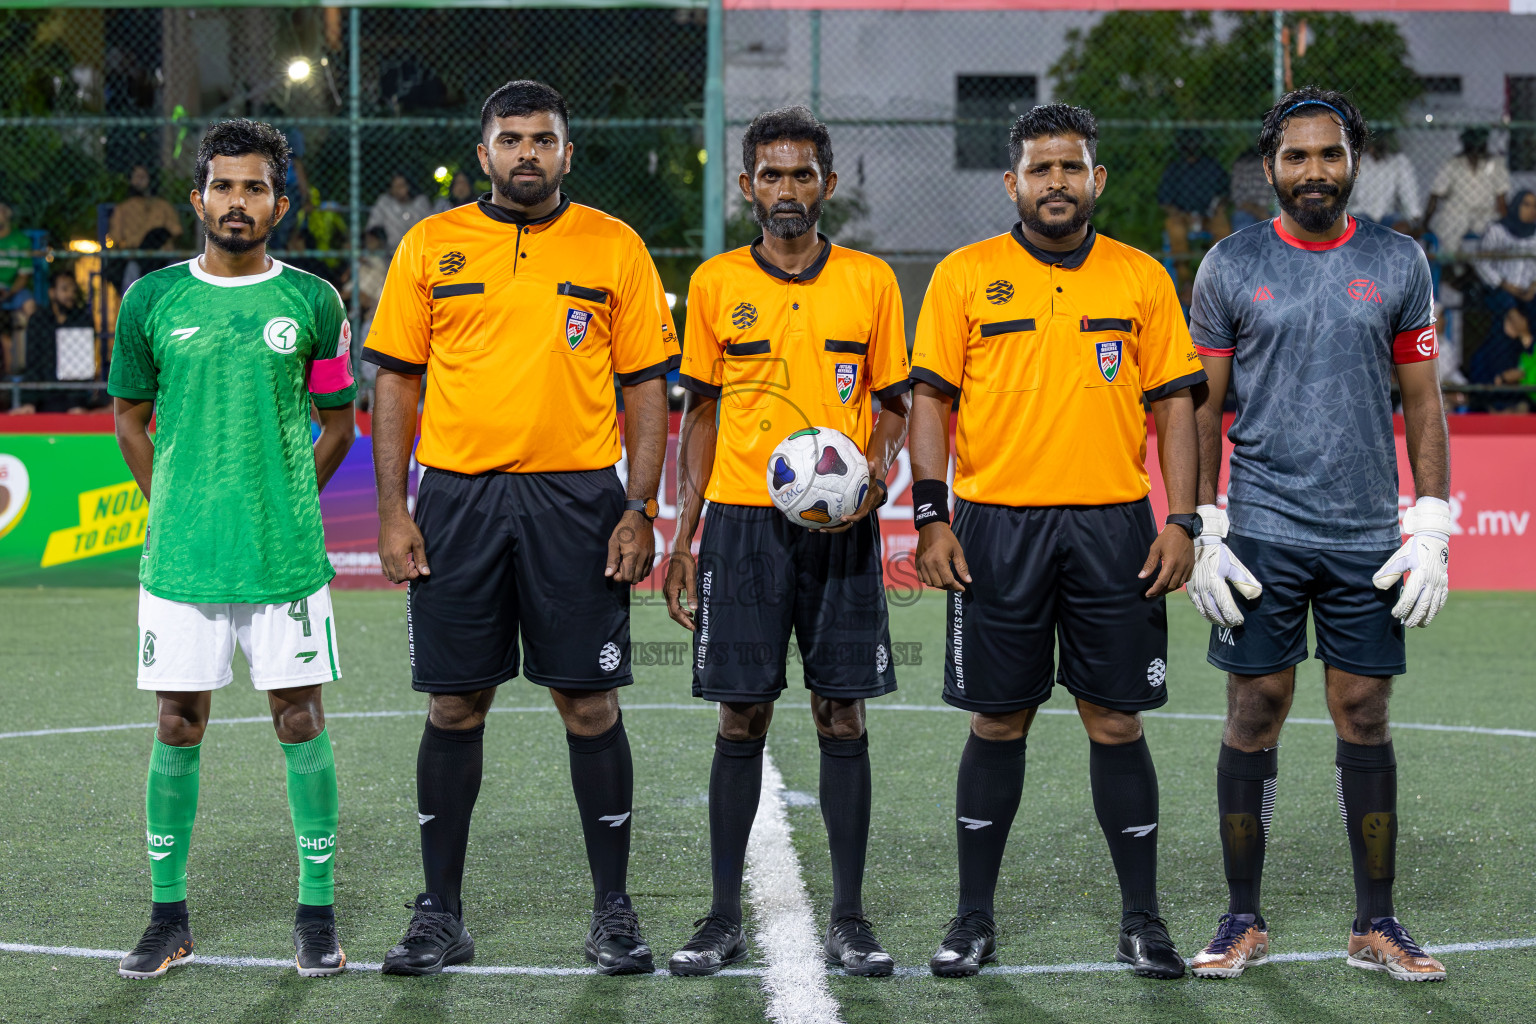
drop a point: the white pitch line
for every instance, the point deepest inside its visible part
(1090, 967)
(795, 978)
(1182, 716)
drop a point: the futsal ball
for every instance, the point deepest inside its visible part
(816, 476)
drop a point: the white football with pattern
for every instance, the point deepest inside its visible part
(816, 476)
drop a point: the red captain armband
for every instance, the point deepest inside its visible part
(1415, 346)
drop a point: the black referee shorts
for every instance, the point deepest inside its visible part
(761, 576)
(1055, 575)
(518, 555)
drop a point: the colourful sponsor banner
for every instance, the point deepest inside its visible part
(70, 514)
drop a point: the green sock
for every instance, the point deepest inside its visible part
(170, 807)
(312, 802)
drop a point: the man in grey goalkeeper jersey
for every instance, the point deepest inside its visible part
(1307, 317)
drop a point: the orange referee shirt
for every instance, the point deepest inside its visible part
(1051, 355)
(784, 352)
(520, 327)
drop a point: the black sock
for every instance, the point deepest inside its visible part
(986, 799)
(735, 784)
(168, 911)
(1245, 801)
(448, 768)
(845, 800)
(1367, 780)
(603, 778)
(308, 912)
(1124, 785)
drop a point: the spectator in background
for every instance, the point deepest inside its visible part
(1511, 280)
(460, 192)
(1507, 357)
(397, 209)
(1251, 192)
(296, 188)
(15, 284)
(1387, 189)
(140, 221)
(372, 268)
(1470, 190)
(1193, 196)
(327, 230)
(61, 345)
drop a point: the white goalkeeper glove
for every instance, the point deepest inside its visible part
(1215, 568)
(1422, 563)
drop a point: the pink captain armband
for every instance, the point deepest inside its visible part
(328, 376)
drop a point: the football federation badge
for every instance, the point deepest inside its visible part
(845, 376)
(576, 322)
(1109, 358)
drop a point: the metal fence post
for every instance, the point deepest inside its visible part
(714, 134)
(816, 62)
(1279, 55)
(355, 158)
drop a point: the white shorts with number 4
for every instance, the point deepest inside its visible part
(189, 647)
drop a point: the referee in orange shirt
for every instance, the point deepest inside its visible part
(520, 309)
(1051, 336)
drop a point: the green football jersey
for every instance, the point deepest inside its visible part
(231, 364)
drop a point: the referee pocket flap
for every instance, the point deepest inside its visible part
(448, 291)
(852, 348)
(1012, 363)
(577, 291)
(458, 317)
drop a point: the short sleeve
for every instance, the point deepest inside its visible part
(1210, 326)
(330, 366)
(888, 373)
(1166, 355)
(133, 374)
(1414, 338)
(1501, 184)
(401, 334)
(669, 343)
(1443, 179)
(639, 346)
(943, 332)
(701, 369)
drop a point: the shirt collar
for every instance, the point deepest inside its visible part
(507, 216)
(1068, 260)
(808, 274)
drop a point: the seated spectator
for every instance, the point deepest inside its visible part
(1506, 358)
(1252, 195)
(61, 345)
(1511, 280)
(1387, 189)
(327, 230)
(397, 209)
(372, 268)
(15, 285)
(1193, 196)
(1470, 190)
(460, 191)
(142, 220)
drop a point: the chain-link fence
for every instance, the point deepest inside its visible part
(919, 103)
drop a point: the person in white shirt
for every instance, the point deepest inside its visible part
(1387, 189)
(1512, 279)
(397, 209)
(1470, 190)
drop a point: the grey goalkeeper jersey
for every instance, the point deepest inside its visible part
(1313, 330)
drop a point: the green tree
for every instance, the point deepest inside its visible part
(1142, 74)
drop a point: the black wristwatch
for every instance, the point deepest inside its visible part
(1189, 522)
(648, 507)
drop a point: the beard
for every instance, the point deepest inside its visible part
(804, 219)
(1030, 215)
(527, 193)
(1316, 215)
(236, 245)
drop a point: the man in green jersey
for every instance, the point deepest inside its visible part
(228, 350)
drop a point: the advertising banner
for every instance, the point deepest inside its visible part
(70, 514)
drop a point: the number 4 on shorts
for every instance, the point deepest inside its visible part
(298, 611)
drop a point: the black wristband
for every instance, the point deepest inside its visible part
(930, 502)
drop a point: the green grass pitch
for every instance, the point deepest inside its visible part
(75, 873)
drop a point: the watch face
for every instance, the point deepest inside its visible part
(652, 508)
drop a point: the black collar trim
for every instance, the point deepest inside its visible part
(810, 273)
(507, 216)
(1068, 260)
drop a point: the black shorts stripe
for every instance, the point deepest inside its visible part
(577, 291)
(1006, 327)
(448, 291)
(857, 348)
(748, 348)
